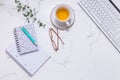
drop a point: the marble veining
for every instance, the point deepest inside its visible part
(83, 57)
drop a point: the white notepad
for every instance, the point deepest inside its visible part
(29, 62)
(23, 43)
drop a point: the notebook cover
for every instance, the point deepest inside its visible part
(23, 43)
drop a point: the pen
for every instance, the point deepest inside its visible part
(29, 35)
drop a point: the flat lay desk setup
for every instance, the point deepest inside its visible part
(81, 41)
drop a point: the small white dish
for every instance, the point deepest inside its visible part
(61, 26)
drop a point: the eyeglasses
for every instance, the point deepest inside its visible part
(55, 45)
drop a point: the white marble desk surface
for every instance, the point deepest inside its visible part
(86, 55)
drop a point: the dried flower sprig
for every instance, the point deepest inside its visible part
(28, 13)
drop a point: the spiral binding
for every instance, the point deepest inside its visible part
(16, 40)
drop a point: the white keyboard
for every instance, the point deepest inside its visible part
(106, 17)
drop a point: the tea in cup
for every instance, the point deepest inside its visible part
(62, 16)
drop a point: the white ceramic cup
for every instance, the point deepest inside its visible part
(65, 22)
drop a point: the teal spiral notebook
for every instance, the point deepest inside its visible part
(23, 43)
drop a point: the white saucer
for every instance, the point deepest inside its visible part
(52, 18)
